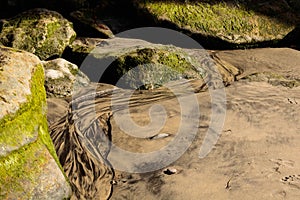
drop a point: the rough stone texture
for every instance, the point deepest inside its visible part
(62, 78)
(80, 49)
(40, 31)
(100, 58)
(235, 22)
(137, 64)
(29, 167)
(89, 19)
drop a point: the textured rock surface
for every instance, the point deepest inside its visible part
(42, 32)
(28, 164)
(143, 63)
(62, 78)
(235, 22)
(89, 19)
(137, 63)
(80, 49)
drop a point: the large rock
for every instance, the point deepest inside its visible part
(29, 167)
(136, 63)
(63, 77)
(132, 63)
(231, 24)
(40, 31)
(80, 48)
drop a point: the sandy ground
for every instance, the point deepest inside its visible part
(257, 153)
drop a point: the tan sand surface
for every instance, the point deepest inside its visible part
(257, 153)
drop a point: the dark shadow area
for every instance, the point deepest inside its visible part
(122, 15)
(283, 11)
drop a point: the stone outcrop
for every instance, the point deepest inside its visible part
(40, 31)
(135, 63)
(139, 62)
(29, 167)
(233, 24)
(80, 49)
(62, 78)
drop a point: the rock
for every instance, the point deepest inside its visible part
(29, 167)
(159, 136)
(170, 171)
(92, 53)
(224, 25)
(134, 63)
(40, 31)
(62, 78)
(292, 39)
(89, 19)
(80, 49)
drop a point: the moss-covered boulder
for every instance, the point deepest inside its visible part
(29, 167)
(231, 24)
(40, 31)
(62, 78)
(133, 63)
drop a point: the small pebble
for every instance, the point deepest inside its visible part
(158, 136)
(170, 171)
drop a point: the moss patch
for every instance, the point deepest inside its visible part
(150, 67)
(23, 165)
(22, 168)
(228, 22)
(42, 32)
(30, 120)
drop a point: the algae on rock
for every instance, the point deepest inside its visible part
(133, 63)
(232, 23)
(62, 78)
(29, 167)
(40, 31)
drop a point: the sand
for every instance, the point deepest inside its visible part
(256, 155)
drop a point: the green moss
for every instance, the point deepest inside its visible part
(151, 66)
(52, 28)
(44, 33)
(20, 168)
(30, 120)
(23, 123)
(220, 19)
(22, 165)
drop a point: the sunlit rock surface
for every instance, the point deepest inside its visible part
(29, 167)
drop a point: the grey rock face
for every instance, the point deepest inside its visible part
(40, 31)
(63, 77)
(29, 167)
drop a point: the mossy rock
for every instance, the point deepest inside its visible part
(62, 78)
(80, 48)
(233, 23)
(29, 167)
(133, 63)
(40, 31)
